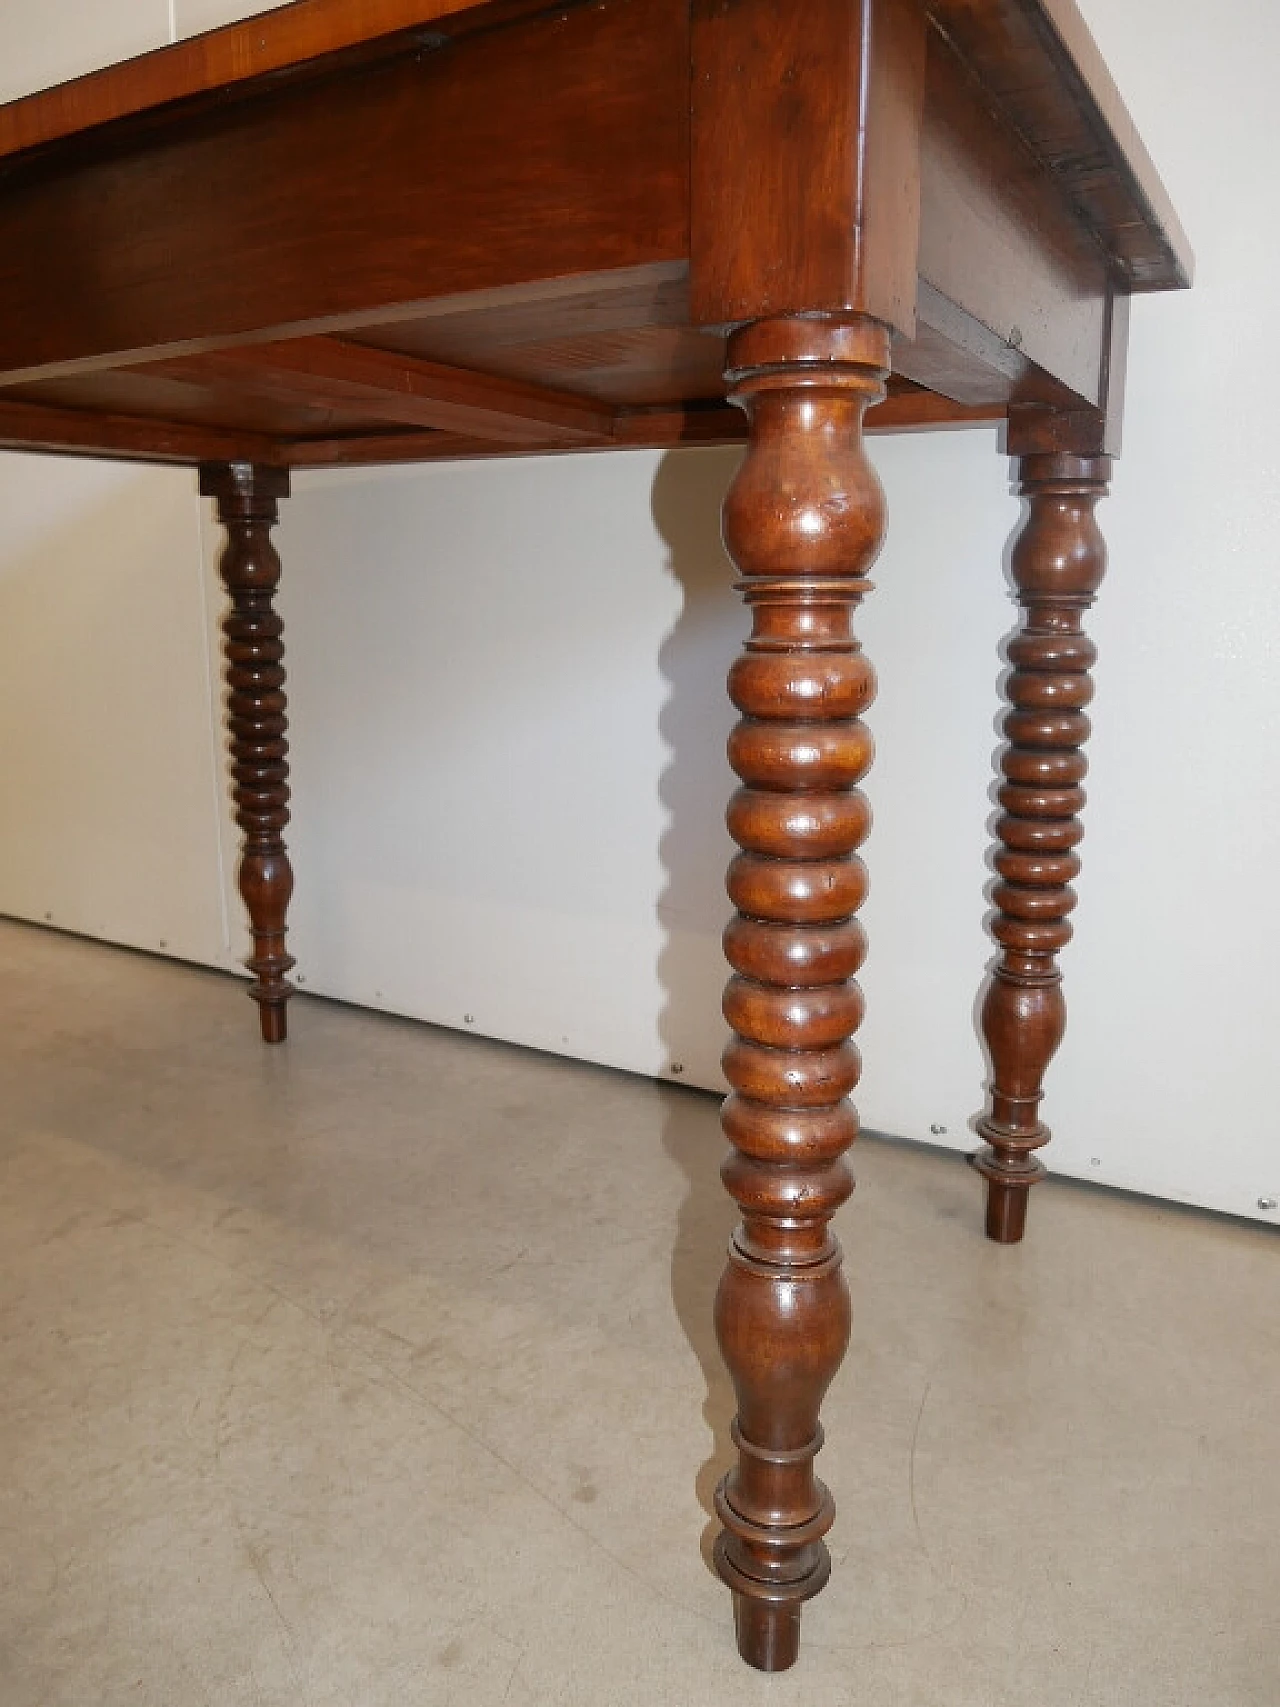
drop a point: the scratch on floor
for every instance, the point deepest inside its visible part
(911, 1469)
(290, 1639)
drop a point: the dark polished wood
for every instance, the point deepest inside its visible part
(606, 184)
(1058, 562)
(344, 234)
(848, 241)
(247, 499)
(803, 522)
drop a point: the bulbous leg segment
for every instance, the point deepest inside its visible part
(1058, 564)
(247, 498)
(803, 522)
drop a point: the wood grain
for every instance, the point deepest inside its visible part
(348, 202)
(126, 438)
(417, 393)
(1036, 59)
(805, 158)
(303, 37)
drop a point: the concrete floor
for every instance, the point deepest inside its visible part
(377, 1370)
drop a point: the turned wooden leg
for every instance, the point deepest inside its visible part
(803, 522)
(247, 498)
(1058, 564)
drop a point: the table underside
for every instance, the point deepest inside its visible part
(502, 235)
(614, 368)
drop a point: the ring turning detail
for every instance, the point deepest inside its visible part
(247, 499)
(803, 522)
(1058, 563)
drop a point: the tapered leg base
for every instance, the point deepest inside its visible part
(768, 1636)
(1009, 1182)
(275, 1022)
(1006, 1212)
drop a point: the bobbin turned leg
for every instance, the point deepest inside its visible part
(803, 522)
(247, 497)
(1058, 564)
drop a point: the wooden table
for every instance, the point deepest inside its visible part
(370, 231)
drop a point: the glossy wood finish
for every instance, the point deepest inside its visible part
(1035, 57)
(256, 720)
(608, 187)
(803, 522)
(332, 195)
(350, 232)
(303, 40)
(1058, 563)
(791, 216)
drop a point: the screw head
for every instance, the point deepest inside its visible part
(677, 1067)
(938, 1129)
(1268, 1203)
(468, 1019)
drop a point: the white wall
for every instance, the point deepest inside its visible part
(509, 719)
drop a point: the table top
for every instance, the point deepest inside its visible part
(530, 289)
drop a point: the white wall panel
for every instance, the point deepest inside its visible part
(43, 42)
(108, 795)
(192, 16)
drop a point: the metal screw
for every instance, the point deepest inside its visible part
(300, 978)
(1015, 338)
(938, 1129)
(677, 1067)
(468, 1019)
(1095, 1161)
(163, 943)
(48, 918)
(1268, 1203)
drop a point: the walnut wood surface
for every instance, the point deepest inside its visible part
(606, 182)
(256, 719)
(806, 158)
(418, 393)
(554, 148)
(1035, 57)
(1058, 562)
(289, 39)
(803, 522)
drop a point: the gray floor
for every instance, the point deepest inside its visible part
(377, 1370)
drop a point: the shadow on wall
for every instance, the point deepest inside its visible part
(688, 494)
(1004, 670)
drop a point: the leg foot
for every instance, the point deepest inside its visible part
(274, 1018)
(1006, 1211)
(768, 1636)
